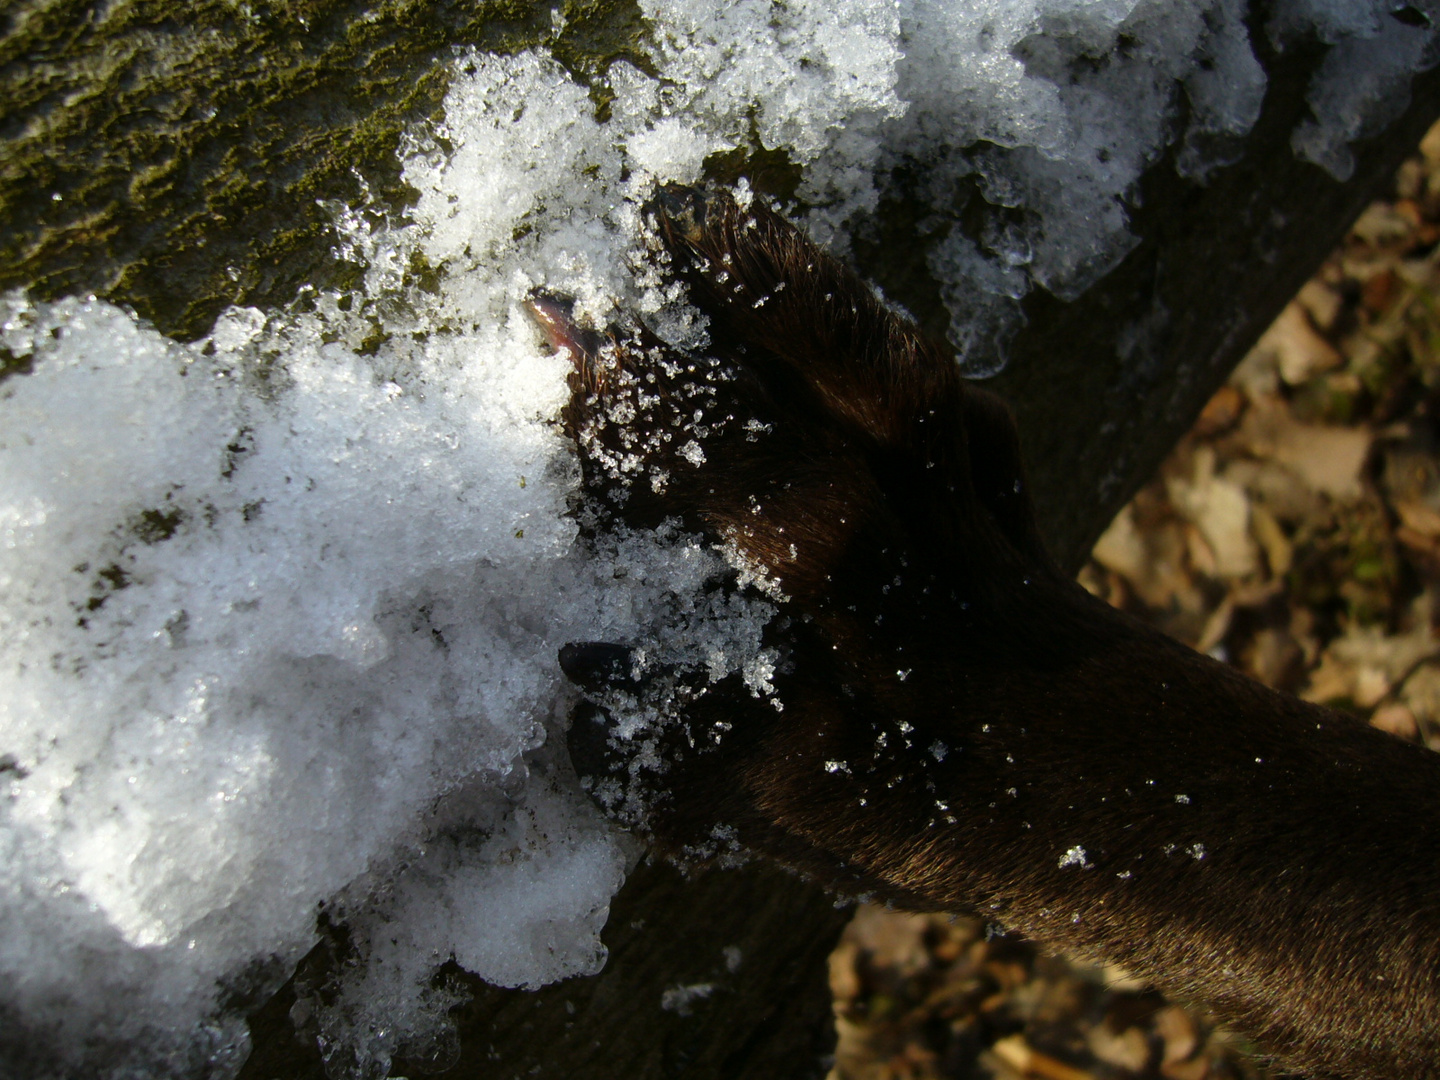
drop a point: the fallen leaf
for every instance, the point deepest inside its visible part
(1277, 487)
(1410, 210)
(1430, 145)
(1397, 719)
(1380, 290)
(1425, 550)
(1198, 1069)
(1121, 548)
(1419, 518)
(1422, 694)
(1220, 510)
(1256, 375)
(1220, 414)
(1364, 663)
(1380, 226)
(1150, 562)
(1273, 657)
(1128, 1049)
(1177, 1029)
(1217, 626)
(1279, 552)
(1300, 351)
(1322, 302)
(1328, 459)
(844, 979)
(1016, 1053)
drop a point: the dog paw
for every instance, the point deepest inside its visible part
(851, 476)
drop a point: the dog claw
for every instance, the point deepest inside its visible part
(597, 666)
(683, 210)
(555, 316)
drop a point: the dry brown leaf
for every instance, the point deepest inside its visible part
(1116, 979)
(1152, 563)
(1202, 556)
(1300, 351)
(1273, 657)
(844, 980)
(1220, 510)
(1380, 291)
(1322, 302)
(1328, 459)
(1275, 486)
(1279, 552)
(1410, 178)
(1121, 548)
(1410, 210)
(1364, 663)
(1177, 1029)
(1397, 719)
(894, 939)
(1381, 226)
(1335, 681)
(1420, 518)
(1217, 626)
(1015, 1052)
(1198, 1069)
(1303, 628)
(1430, 145)
(1128, 1049)
(1422, 694)
(1256, 375)
(1254, 594)
(1220, 414)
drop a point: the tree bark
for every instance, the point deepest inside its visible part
(173, 164)
(177, 160)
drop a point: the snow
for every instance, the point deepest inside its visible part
(682, 999)
(281, 608)
(1363, 82)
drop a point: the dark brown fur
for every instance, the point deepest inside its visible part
(960, 720)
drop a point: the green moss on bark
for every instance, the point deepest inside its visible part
(177, 162)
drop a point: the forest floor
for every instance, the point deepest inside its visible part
(1294, 532)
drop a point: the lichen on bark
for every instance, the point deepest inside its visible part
(181, 162)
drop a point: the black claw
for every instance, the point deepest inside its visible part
(555, 316)
(589, 741)
(683, 209)
(597, 666)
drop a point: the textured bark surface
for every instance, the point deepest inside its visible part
(177, 159)
(173, 163)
